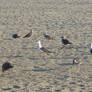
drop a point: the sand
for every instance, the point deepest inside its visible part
(34, 71)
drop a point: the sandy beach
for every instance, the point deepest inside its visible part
(35, 71)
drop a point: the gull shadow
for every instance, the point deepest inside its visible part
(15, 86)
(70, 47)
(64, 78)
(52, 47)
(26, 70)
(13, 91)
(56, 58)
(6, 89)
(8, 39)
(58, 90)
(71, 57)
(66, 64)
(42, 69)
(28, 48)
(32, 58)
(17, 56)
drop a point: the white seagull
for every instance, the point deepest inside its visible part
(40, 47)
(91, 48)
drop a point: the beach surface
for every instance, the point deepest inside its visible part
(35, 71)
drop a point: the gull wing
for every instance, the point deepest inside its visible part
(45, 50)
(28, 35)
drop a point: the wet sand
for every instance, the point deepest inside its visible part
(33, 70)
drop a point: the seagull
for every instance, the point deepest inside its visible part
(75, 61)
(28, 35)
(91, 49)
(65, 41)
(6, 66)
(43, 49)
(15, 36)
(48, 37)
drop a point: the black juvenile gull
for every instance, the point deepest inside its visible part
(6, 66)
(15, 36)
(65, 41)
(28, 35)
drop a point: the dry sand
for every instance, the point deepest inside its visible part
(37, 72)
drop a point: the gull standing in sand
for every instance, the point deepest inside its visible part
(43, 49)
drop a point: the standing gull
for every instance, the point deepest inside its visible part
(65, 41)
(43, 49)
(28, 35)
(6, 66)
